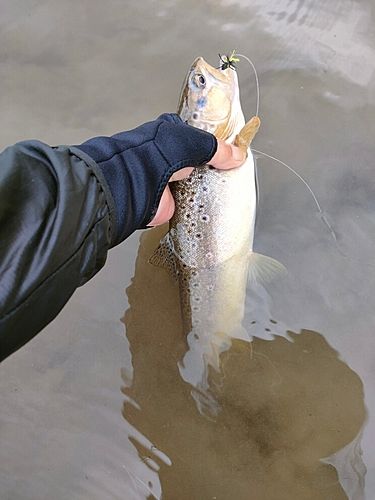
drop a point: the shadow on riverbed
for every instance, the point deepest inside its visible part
(285, 405)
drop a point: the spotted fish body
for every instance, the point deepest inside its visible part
(211, 232)
(215, 209)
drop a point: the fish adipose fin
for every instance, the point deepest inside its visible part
(164, 256)
(247, 133)
(263, 269)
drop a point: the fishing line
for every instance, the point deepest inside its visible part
(321, 213)
(295, 173)
(256, 80)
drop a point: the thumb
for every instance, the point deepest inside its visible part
(227, 156)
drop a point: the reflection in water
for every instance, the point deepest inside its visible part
(287, 408)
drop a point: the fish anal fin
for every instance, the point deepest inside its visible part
(247, 133)
(263, 269)
(164, 257)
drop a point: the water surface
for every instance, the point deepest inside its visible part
(95, 407)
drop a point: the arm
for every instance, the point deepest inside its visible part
(62, 208)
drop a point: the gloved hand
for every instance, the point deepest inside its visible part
(226, 157)
(138, 164)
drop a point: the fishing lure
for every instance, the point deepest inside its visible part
(228, 61)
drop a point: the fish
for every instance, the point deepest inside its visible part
(209, 245)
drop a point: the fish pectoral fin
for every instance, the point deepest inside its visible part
(263, 269)
(247, 133)
(164, 257)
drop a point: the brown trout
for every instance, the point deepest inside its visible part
(209, 246)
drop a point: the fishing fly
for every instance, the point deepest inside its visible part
(228, 61)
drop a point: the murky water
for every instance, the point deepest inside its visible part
(96, 406)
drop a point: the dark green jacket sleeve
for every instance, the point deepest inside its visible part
(55, 231)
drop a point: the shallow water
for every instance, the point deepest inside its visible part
(95, 407)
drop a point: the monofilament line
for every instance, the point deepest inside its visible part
(321, 213)
(256, 80)
(295, 173)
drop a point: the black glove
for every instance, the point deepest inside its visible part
(138, 164)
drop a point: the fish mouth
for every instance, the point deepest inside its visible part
(222, 75)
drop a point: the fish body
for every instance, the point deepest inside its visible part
(215, 210)
(210, 240)
(208, 226)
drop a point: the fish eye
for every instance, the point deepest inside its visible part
(198, 80)
(202, 80)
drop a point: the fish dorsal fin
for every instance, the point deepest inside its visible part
(164, 256)
(247, 133)
(263, 269)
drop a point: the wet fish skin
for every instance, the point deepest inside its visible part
(206, 228)
(209, 245)
(215, 209)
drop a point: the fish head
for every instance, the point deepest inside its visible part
(210, 100)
